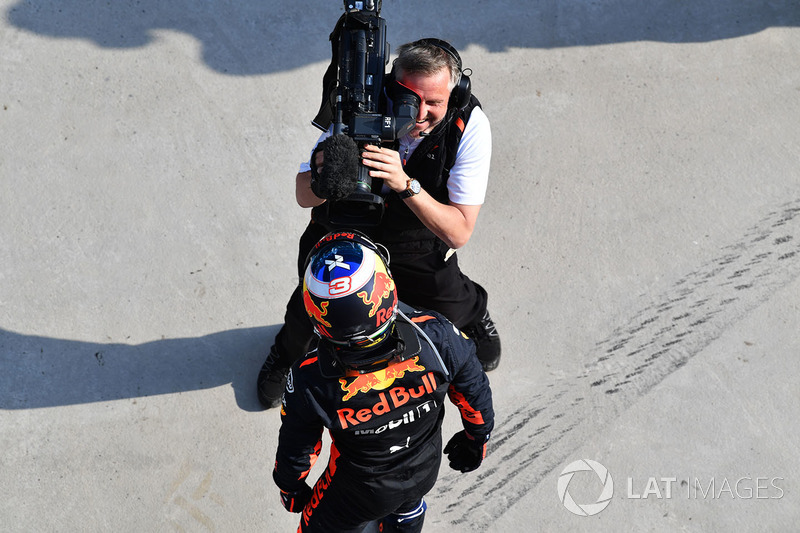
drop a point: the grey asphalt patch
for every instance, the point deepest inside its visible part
(532, 441)
(148, 239)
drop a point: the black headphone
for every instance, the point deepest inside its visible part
(460, 95)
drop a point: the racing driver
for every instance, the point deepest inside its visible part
(377, 381)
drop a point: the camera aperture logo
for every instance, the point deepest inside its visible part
(585, 509)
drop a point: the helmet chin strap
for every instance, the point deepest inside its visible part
(399, 343)
(368, 359)
(406, 336)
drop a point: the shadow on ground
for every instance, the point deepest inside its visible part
(46, 372)
(252, 37)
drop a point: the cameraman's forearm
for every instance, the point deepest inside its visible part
(453, 223)
(302, 191)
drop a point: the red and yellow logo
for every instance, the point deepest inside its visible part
(380, 379)
(393, 398)
(314, 311)
(382, 287)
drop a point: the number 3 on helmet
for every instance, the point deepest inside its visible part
(348, 291)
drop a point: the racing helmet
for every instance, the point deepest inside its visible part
(348, 291)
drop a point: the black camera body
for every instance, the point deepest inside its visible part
(358, 107)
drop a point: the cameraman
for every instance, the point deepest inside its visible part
(435, 182)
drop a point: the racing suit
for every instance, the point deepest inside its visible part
(385, 425)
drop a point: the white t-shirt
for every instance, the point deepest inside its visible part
(469, 176)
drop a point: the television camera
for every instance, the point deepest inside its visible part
(362, 103)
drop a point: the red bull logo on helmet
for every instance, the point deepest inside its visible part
(380, 379)
(316, 312)
(381, 296)
(382, 287)
(334, 236)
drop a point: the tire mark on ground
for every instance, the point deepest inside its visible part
(529, 443)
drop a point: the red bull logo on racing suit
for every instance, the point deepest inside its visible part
(380, 379)
(393, 398)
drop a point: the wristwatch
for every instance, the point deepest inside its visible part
(412, 188)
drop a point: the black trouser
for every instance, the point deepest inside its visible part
(424, 280)
(345, 500)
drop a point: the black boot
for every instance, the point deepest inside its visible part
(487, 341)
(272, 379)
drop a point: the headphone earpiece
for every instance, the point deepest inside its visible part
(461, 93)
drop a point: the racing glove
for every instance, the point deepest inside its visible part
(465, 452)
(295, 501)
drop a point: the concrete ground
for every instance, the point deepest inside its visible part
(639, 244)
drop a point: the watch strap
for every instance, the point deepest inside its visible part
(409, 192)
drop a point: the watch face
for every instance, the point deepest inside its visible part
(415, 186)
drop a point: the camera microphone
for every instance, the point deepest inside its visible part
(339, 175)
